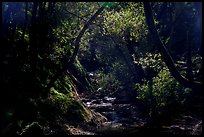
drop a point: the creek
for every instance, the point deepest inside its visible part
(125, 118)
(121, 117)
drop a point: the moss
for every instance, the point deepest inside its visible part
(84, 112)
(60, 100)
(64, 85)
(63, 99)
(79, 67)
(81, 76)
(69, 106)
(77, 112)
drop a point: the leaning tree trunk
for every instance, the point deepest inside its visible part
(165, 54)
(73, 57)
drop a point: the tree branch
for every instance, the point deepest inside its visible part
(72, 59)
(75, 15)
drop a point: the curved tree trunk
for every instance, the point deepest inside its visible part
(72, 59)
(165, 54)
(66, 65)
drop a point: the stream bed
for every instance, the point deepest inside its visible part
(124, 118)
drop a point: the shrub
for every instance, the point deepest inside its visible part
(167, 93)
(151, 61)
(106, 83)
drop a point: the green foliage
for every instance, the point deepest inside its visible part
(166, 91)
(117, 22)
(152, 61)
(106, 82)
(38, 44)
(63, 43)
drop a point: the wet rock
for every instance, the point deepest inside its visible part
(109, 99)
(116, 125)
(110, 115)
(104, 107)
(98, 101)
(105, 124)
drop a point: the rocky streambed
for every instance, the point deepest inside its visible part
(124, 118)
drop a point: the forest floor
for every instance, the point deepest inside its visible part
(124, 118)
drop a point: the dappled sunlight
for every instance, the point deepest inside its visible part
(101, 68)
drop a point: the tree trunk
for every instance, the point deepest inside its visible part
(189, 73)
(131, 45)
(72, 59)
(26, 21)
(165, 54)
(152, 111)
(51, 6)
(33, 43)
(66, 65)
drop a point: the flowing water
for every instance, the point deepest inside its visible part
(125, 118)
(122, 117)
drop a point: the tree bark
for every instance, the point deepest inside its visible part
(26, 21)
(32, 40)
(165, 54)
(189, 73)
(72, 59)
(131, 45)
